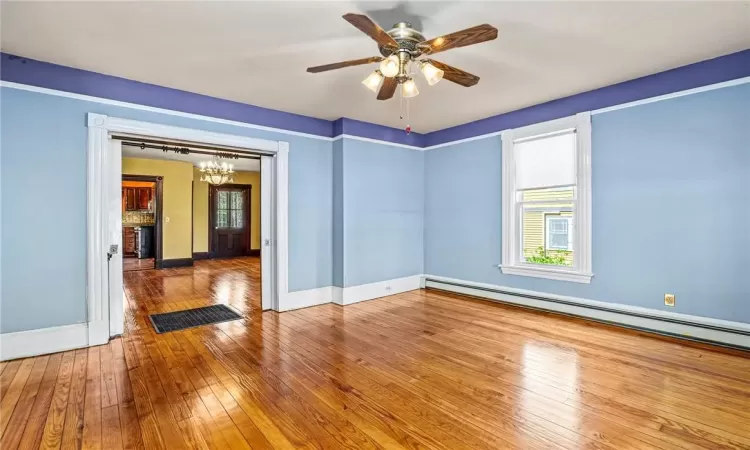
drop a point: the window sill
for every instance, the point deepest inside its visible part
(549, 273)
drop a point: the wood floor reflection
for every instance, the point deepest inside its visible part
(418, 370)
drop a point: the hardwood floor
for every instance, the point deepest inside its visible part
(417, 370)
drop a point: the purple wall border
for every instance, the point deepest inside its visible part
(52, 76)
(62, 78)
(711, 71)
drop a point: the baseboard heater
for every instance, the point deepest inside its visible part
(736, 338)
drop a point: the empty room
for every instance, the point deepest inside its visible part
(375, 225)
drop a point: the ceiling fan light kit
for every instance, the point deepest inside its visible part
(409, 89)
(403, 45)
(373, 81)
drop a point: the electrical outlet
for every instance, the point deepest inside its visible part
(669, 299)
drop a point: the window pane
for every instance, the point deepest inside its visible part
(545, 162)
(236, 199)
(223, 202)
(222, 218)
(546, 228)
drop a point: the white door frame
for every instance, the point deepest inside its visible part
(103, 166)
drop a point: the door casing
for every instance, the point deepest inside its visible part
(104, 295)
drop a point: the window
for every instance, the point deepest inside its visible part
(557, 235)
(547, 200)
(230, 209)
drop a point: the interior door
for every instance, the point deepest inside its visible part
(267, 202)
(114, 239)
(230, 220)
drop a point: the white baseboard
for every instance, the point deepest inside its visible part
(43, 341)
(354, 294)
(348, 295)
(306, 298)
(726, 332)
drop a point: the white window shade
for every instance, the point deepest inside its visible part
(545, 161)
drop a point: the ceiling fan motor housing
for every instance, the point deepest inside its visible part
(407, 38)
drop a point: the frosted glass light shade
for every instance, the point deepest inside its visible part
(431, 73)
(372, 82)
(389, 66)
(409, 89)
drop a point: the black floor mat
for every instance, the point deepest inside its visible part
(189, 318)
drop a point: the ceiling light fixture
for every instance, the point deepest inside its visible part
(409, 89)
(372, 82)
(389, 66)
(401, 48)
(216, 173)
(431, 73)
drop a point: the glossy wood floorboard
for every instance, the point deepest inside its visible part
(420, 370)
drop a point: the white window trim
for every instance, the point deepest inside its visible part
(511, 265)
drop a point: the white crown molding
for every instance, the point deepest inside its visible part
(659, 98)
(377, 141)
(683, 325)
(30, 88)
(43, 341)
(170, 112)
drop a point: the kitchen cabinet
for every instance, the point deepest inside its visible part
(144, 198)
(128, 241)
(137, 198)
(129, 194)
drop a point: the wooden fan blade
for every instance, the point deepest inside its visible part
(370, 28)
(469, 36)
(454, 74)
(342, 64)
(387, 89)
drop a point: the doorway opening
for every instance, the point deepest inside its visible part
(141, 222)
(240, 280)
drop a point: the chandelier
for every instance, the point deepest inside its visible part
(216, 173)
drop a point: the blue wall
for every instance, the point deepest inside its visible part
(44, 221)
(381, 192)
(671, 207)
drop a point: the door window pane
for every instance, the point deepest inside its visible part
(230, 209)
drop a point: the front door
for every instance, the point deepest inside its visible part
(230, 220)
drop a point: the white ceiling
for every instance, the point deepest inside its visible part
(245, 165)
(257, 52)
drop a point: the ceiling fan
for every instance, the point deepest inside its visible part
(402, 46)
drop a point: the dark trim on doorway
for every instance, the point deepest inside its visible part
(254, 252)
(197, 256)
(211, 219)
(171, 263)
(159, 180)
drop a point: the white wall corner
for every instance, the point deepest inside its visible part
(338, 295)
(43, 341)
(354, 294)
(306, 298)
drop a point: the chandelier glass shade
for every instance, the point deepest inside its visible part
(216, 173)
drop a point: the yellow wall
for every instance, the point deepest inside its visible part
(200, 209)
(177, 207)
